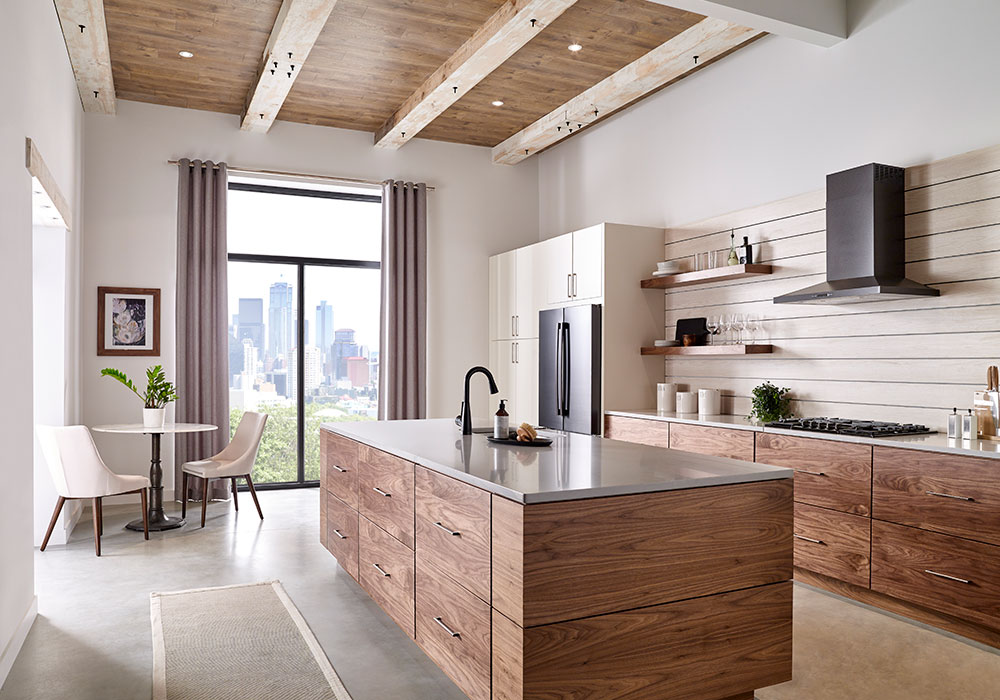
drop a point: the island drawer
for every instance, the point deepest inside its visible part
(640, 430)
(944, 573)
(453, 529)
(386, 493)
(340, 467)
(950, 494)
(834, 544)
(720, 442)
(342, 533)
(453, 628)
(386, 573)
(830, 474)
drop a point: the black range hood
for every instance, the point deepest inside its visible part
(865, 241)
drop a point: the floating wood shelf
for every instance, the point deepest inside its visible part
(716, 274)
(711, 350)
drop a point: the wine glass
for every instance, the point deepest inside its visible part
(712, 324)
(741, 324)
(728, 326)
(753, 325)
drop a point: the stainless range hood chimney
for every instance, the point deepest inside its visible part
(865, 241)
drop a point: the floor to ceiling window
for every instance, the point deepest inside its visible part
(304, 277)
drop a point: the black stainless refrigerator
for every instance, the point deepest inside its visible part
(569, 369)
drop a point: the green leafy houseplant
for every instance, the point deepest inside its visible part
(769, 403)
(159, 392)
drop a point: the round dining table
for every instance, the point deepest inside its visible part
(157, 519)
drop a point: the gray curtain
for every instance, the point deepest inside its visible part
(403, 342)
(202, 316)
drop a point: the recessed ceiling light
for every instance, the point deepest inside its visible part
(574, 47)
(185, 54)
(497, 103)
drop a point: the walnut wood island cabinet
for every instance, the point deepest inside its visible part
(589, 569)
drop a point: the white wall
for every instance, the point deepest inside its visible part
(40, 102)
(477, 210)
(915, 82)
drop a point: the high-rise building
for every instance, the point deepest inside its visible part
(249, 322)
(324, 331)
(250, 357)
(311, 376)
(343, 347)
(279, 320)
(357, 371)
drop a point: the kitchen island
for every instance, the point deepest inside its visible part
(589, 569)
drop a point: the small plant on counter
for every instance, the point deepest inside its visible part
(159, 392)
(769, 403)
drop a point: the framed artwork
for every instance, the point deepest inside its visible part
(128, 321)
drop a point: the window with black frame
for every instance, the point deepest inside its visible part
(304, 307)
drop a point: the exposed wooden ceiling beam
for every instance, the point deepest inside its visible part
(710, 39)
(296, 28)
(506, 31)
(86, 37)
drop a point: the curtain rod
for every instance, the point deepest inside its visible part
(283, 173)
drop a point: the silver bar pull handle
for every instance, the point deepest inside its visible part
(949, 495)
(946, 576)
(340, 535)
(455, 533)
(381, 571)
(808, 539)
(806, 471)
(513, 331)
(517, 325)
(447, 629)
(569, 285)
(380, 492)
(576, 288)
(339, 469)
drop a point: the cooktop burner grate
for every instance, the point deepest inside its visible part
(849, 426)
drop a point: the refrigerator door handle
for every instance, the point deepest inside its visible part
(564, 397)
(559, 369)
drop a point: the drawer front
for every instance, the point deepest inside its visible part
(904, 558)
(453, 530)
(830, 474)
(386, 493)
(453, 628)
(340, 467)
(720, 442)
(342, 533)
(644, 432)
(949, 494)
(834, 544)
(386, 573)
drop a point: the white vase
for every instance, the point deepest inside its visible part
(153, 417)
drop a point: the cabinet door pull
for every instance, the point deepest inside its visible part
(576, 288)
(380, 492)
(808, 539)
(949, 495)
(806, 471)
(517, 353)
(946, 576)
(340, 469)
(517, 325)
(513, 330)
(569, 285)
(382, 571)
(447, 629)
(338, 534)
(456, 533)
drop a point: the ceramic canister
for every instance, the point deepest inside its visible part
(709, 402)
(666, 398)
(687, 402)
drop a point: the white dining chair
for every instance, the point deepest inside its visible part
(79, 473)
(234, 462)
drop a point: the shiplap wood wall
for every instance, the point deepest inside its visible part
(910, 360)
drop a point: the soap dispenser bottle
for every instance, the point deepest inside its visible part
(954, 424)
(501, 422)
(970, 426)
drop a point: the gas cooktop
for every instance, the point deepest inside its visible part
(848, 426)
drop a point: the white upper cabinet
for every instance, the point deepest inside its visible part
(503, 295)
(588, 263)
(556, 255)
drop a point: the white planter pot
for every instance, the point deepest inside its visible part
(153, 417)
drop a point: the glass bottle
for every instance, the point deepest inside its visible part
(734, 259)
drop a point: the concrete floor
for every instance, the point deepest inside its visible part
(92, 636)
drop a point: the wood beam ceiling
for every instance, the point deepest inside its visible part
(709, 40)
(296, 28)
(507, 30)
(86, 36)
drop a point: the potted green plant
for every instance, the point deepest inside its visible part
(159, 392)
(769, 403)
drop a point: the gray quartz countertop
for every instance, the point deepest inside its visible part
(935, 442)
(573, 467)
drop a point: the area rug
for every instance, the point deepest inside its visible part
(244, 642)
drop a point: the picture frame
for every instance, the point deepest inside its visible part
(128, 321)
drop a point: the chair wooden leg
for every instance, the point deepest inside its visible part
(236, 500)
(204, 499)
(145, 514)
(253, 493)
(97, 525)
(52, 523)
(184, 494)
(100, 514)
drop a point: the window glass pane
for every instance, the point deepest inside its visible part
(305, 226)
(342, 337)
(262, 312)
